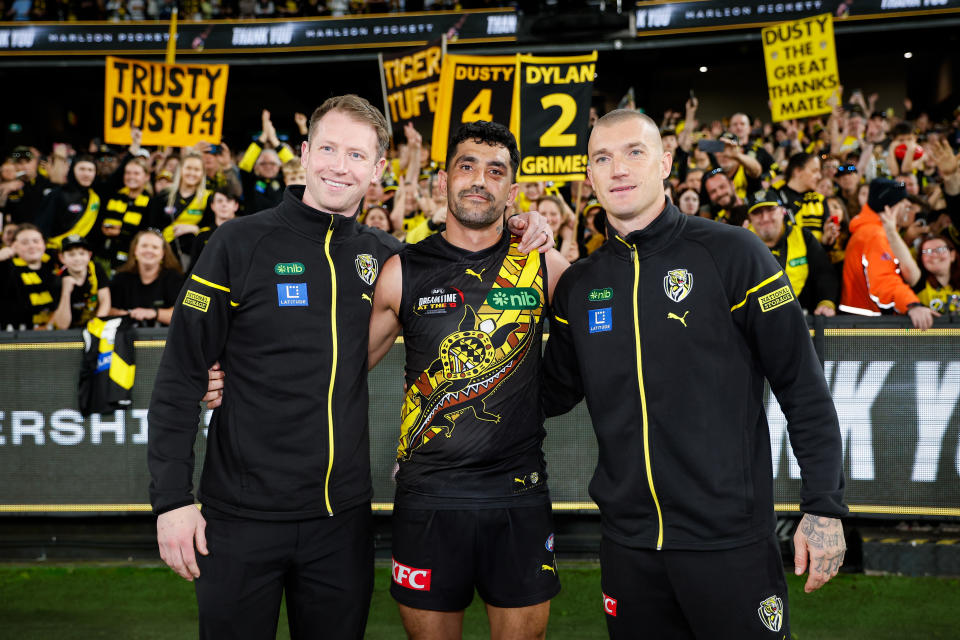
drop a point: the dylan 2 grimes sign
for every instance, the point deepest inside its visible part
(174, 105)
(550, 119)
(801, 62)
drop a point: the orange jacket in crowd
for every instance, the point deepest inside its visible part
(872, 283)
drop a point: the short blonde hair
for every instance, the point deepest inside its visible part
(359, 109)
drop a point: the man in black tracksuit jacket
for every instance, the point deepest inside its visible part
(669, 330)
(282, 300)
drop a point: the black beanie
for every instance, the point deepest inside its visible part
(885, 193)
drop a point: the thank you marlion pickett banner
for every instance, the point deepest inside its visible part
(551, 115)
(173, 104)
(801, 61)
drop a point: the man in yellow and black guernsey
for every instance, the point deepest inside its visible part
(281, 299)
(472, 508)
(800, 255)
(669, 331)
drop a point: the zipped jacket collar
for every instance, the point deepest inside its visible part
(311, 222)
(653, 238)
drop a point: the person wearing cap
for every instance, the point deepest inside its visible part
(28, 282)
(798, 253)
(872, 280)
(84, 286)
(669, 331)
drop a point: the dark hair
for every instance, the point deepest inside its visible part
(226, 193)
(901, 129)
(491, 133)
(797, 161)
(926, 276)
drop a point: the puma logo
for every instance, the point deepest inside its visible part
(364, 296)
(522, 481)
(547, 567)
(471, 272)
(683, 320)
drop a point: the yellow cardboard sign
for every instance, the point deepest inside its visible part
(173, 104)
(801, 61)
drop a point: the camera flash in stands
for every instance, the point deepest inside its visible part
(703, 69)
(907, 55)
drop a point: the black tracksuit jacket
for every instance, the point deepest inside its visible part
(282, 299)
(669, 333)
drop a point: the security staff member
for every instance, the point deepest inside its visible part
(278, 298)
(472, 509)
(672, 367)
(281, 300)
(798, 253)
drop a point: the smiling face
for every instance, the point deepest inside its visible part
(191, 173)
(937, 256)
(76, 259)
(479, 184)
(149, 250)
(767, 223)
(377, 218)
(29, 246)
(341, 161)
(134, 176)
(549, 210)
(627, 166)
(808, 176)
(720, 191)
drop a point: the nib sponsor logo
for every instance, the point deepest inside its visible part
(609, 605)
(416, 579)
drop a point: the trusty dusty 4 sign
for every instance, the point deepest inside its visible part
(176, 105)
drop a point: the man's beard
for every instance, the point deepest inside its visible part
(474, 219)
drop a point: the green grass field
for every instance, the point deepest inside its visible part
(88, 601)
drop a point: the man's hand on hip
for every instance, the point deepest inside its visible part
(176, 532)
(819, 544)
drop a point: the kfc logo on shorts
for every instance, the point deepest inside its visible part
(416, 579)
(609, 605)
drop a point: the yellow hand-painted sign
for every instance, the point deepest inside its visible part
(173, 104)
(801, 61)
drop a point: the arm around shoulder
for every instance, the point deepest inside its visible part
(385, 317)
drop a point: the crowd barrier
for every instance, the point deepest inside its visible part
(896, 391)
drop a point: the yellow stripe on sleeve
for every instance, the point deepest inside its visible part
(756, 288)
(194, 276)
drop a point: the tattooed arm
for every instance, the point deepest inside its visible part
(819, 544)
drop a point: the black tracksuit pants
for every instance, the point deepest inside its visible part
(323, 565)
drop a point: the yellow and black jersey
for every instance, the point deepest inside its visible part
(70, 210)
(808, 268)
(809, 210)
(131, 214)
(471, 426)
(28, 297)
(943, 299)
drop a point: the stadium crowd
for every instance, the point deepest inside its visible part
(861, 209)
